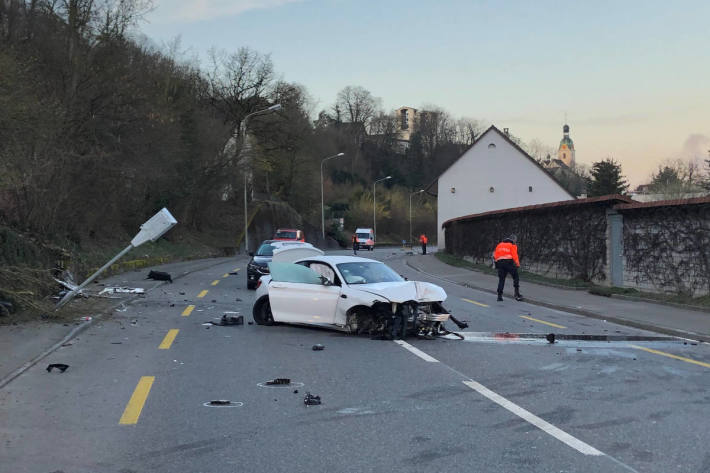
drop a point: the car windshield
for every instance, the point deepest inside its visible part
(286, 234)
(367, 273)
(265, 250)
(364, 236)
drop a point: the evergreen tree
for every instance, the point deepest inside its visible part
(607, 179)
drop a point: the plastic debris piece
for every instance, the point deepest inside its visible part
(159, 276)
(311, 400)
(295, 391)
(318, 347)
(86, 319)
(277, 381)
(220, 402)
(60, 366)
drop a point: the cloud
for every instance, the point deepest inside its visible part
(199, 10)
(696, 145)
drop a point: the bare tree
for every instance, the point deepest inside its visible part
(357, 103)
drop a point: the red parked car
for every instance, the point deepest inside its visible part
(289, 234)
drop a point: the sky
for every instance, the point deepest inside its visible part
(632, 78)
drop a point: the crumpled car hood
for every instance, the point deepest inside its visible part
(404, 291)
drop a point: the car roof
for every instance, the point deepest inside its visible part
(337, 259)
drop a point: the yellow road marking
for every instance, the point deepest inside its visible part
(215, 282)
(543, 322)
(203, 293)
(135, 404)
(225, 275)
(236, 270)
(188, 310)
(169, 338)
(474, 302)
(669, 355)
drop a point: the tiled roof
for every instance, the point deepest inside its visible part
(610, 200)
(664, 203)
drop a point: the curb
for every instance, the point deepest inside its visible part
(574, 310)
(77, 330)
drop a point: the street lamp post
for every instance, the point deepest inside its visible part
(322, 211)
(245, 145)
(374, 204)
(411, 239)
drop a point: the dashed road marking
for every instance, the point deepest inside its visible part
(670, 355)
(169, 339)
(202, 293)
(236, 270)
(543, 322)
(527, 416)
(135, 404)
(188, 310)
(225, 275)
(474, 302)
(215, 282)
(416, 351)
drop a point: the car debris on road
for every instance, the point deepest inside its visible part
(159, 276)
(60, 366)
(311, 400)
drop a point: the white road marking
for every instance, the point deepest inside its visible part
(416, 351)
(546, 427)
(527, 416)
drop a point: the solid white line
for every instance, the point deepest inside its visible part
(416, 351)
(546, 427)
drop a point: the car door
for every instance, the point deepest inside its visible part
(298, 295)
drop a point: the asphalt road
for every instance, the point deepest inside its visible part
(484, 404)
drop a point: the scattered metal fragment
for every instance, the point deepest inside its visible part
(239, 300)
(116, 343)
(159, 276)
(121, 290)
(223, 403)
(251, 322)
(579, 349)
(234, 273)
(311, 400)
(295, 391)
(228, 318)
(182, 293)
(318, 347)
(550, 337)
(279, 381)
(214, 300)
(60, 366)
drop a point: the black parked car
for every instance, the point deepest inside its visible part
(259, 263)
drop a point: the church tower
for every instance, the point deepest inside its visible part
(565, 153)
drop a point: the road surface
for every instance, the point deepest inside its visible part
(133, 398)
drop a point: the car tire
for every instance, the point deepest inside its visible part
(262, 312)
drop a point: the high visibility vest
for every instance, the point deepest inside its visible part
(423, 240)
(506, 250)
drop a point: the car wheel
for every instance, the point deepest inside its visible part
(262, 312)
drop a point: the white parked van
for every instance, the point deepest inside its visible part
(365, 238)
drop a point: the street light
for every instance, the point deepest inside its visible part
(374, 203)
(245, 144)
(410, 215)
(322, 211)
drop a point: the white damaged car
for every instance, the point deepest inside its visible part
(356, 295)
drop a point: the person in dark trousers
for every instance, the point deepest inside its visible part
(423, 240)
(354, 243)
(506, 260)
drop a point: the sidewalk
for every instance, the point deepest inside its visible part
(23, 345)
(645, 315)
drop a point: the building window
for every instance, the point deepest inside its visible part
(529, 188)
(492, 189)
(492, 146)
(405, 119)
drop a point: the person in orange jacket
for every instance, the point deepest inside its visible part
(506, 260)
(423, 240)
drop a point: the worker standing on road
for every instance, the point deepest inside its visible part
(354, 243)
(423, 240)
(506, 259)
